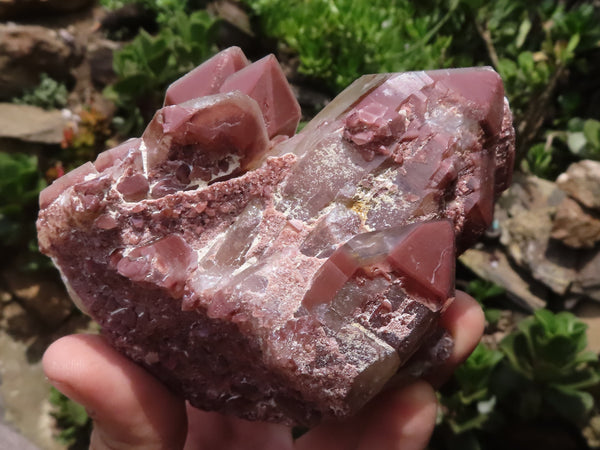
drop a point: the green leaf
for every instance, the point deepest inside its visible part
(526, 62)
(475, 422)
(524, 30)
(591, 132)
(133, 85)
(20, 182)
(539, 160)
(48, 94)
(507, 68)
(71, 418)
(530, 404)
(549, 349)
(572, 405)
(473, 375)
(492, 315)
(587, 357)
(482, 290)
(573, 43)
(148, 64)
(384, 36)
(575, 124)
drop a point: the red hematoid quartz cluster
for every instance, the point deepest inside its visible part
(279, 276)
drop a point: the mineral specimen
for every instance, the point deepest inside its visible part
(276, 276)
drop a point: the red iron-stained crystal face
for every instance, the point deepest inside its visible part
(279, 276)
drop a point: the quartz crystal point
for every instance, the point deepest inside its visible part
(284, 277)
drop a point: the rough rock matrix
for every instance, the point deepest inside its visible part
(275, 276)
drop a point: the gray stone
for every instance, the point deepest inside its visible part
(24, 397)
(526, 225)
(531, 218)
(589, 279)
(18, 9)
(100, 59)
(31, 124)
(11, 440)
(582, 182)
(574, 226)
(43, 297)
(17, 322)
(493, 265)
(589, 313)
(28, 51)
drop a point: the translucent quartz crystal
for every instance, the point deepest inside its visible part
(207, 78)
(283, 277)
(422, 253)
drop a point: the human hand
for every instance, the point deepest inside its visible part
(132, 410)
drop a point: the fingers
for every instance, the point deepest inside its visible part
(402, 419)
(465, 321)
(133, 410)
(209, 430)
(130, 408)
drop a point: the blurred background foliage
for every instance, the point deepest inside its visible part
(539, 377)
(536, 46)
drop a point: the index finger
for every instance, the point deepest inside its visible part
(464, 320)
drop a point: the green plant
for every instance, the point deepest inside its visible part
(20, 184)
(531, 43)
(540, 160)
(472, 403)
(49, 94)
(580, 140)
(536, 46)
(158, 6)
(72, 421)
(583, 138)
(483, 290)
(540, 371)
(337, 41)
(147, 65)
(113, 4)
(549, 350)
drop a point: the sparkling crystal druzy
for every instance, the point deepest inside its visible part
(276, 276)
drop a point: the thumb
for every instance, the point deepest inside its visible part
(130, 408)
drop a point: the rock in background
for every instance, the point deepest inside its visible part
(549, 239)
(58, 38)
(22, 9)
(31, 123)
(27, 51)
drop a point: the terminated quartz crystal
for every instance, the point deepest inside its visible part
(284, 277)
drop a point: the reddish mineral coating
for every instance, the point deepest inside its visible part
(164, 262)
(280, 279)
(265, 82)
(422, 254)
(52, 192)
(229, 128)
(481, 89)
(207, 78)
(112, 156)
